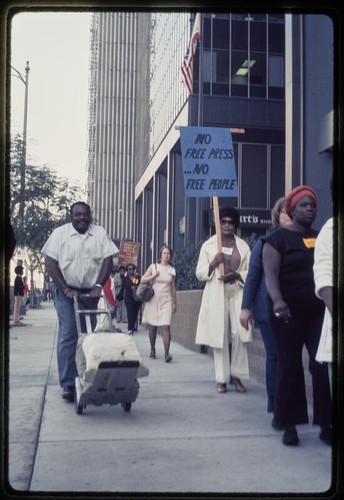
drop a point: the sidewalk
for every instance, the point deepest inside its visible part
(179, 437)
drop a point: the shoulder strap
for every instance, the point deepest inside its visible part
(153, 279)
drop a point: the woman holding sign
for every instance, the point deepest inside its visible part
(218, 321)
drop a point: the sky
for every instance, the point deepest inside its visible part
(56, 44)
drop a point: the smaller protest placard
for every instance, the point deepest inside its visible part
(128, 252)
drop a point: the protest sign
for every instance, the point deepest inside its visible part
(208, 162)
(128, 252)
(209, 167)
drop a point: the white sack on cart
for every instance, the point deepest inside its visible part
(93, 348)
(103, 321)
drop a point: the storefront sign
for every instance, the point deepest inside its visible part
(250, 218)
(208, 162)
(254, 218)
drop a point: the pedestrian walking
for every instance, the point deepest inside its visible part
(254, 306)
(18, 292)
(79, 258)
(121, 311)
(26, 291)
(218, 321)
(130, 283)
(295, 316)
(323, 278)
(158, 310)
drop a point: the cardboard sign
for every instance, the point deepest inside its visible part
(208, 162)
(128, 252)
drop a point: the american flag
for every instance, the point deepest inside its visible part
(188, 59)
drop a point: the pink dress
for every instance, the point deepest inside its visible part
(158, 311)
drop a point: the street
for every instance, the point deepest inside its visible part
(180, 436)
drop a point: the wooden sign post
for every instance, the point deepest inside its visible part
(218, 231)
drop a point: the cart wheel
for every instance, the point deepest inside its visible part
(78, 408)
(126, 406)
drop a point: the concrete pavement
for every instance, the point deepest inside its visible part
(180, 436)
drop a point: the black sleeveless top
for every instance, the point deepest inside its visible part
(296, 270)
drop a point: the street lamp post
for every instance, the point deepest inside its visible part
(25, 80)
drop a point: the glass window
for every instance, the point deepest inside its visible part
(195, 69)
(239, 73)
(220, 33)
(258, 36)
(257, 68)
(276, 37)
(239, 35)
(276, 77)
(206, 32)
(276, 71)
(220, 89)
(254, 176)
(236, 158)
(277, 173)
(276, 93)
(221, 66)
(208, 66)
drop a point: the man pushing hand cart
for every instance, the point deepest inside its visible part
(108, 364)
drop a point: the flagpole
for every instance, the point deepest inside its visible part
(187, 76)
(200, 123)
(199, 114)
(200, 76)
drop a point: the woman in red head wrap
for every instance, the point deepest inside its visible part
(295, 316)
(295, 195)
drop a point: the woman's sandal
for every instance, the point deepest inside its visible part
(152, 354)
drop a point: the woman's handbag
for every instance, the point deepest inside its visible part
(144, 292)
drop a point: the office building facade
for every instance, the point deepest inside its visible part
(254, 74)
(112, 111)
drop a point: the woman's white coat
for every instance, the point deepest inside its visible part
(211, 321)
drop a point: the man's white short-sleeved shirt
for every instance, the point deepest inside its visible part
(79, 256)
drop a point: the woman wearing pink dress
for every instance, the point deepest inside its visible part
(158, 311)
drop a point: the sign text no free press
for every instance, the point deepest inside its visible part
(215, 154)
(208, 162)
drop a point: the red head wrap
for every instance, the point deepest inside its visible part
(296, 194)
